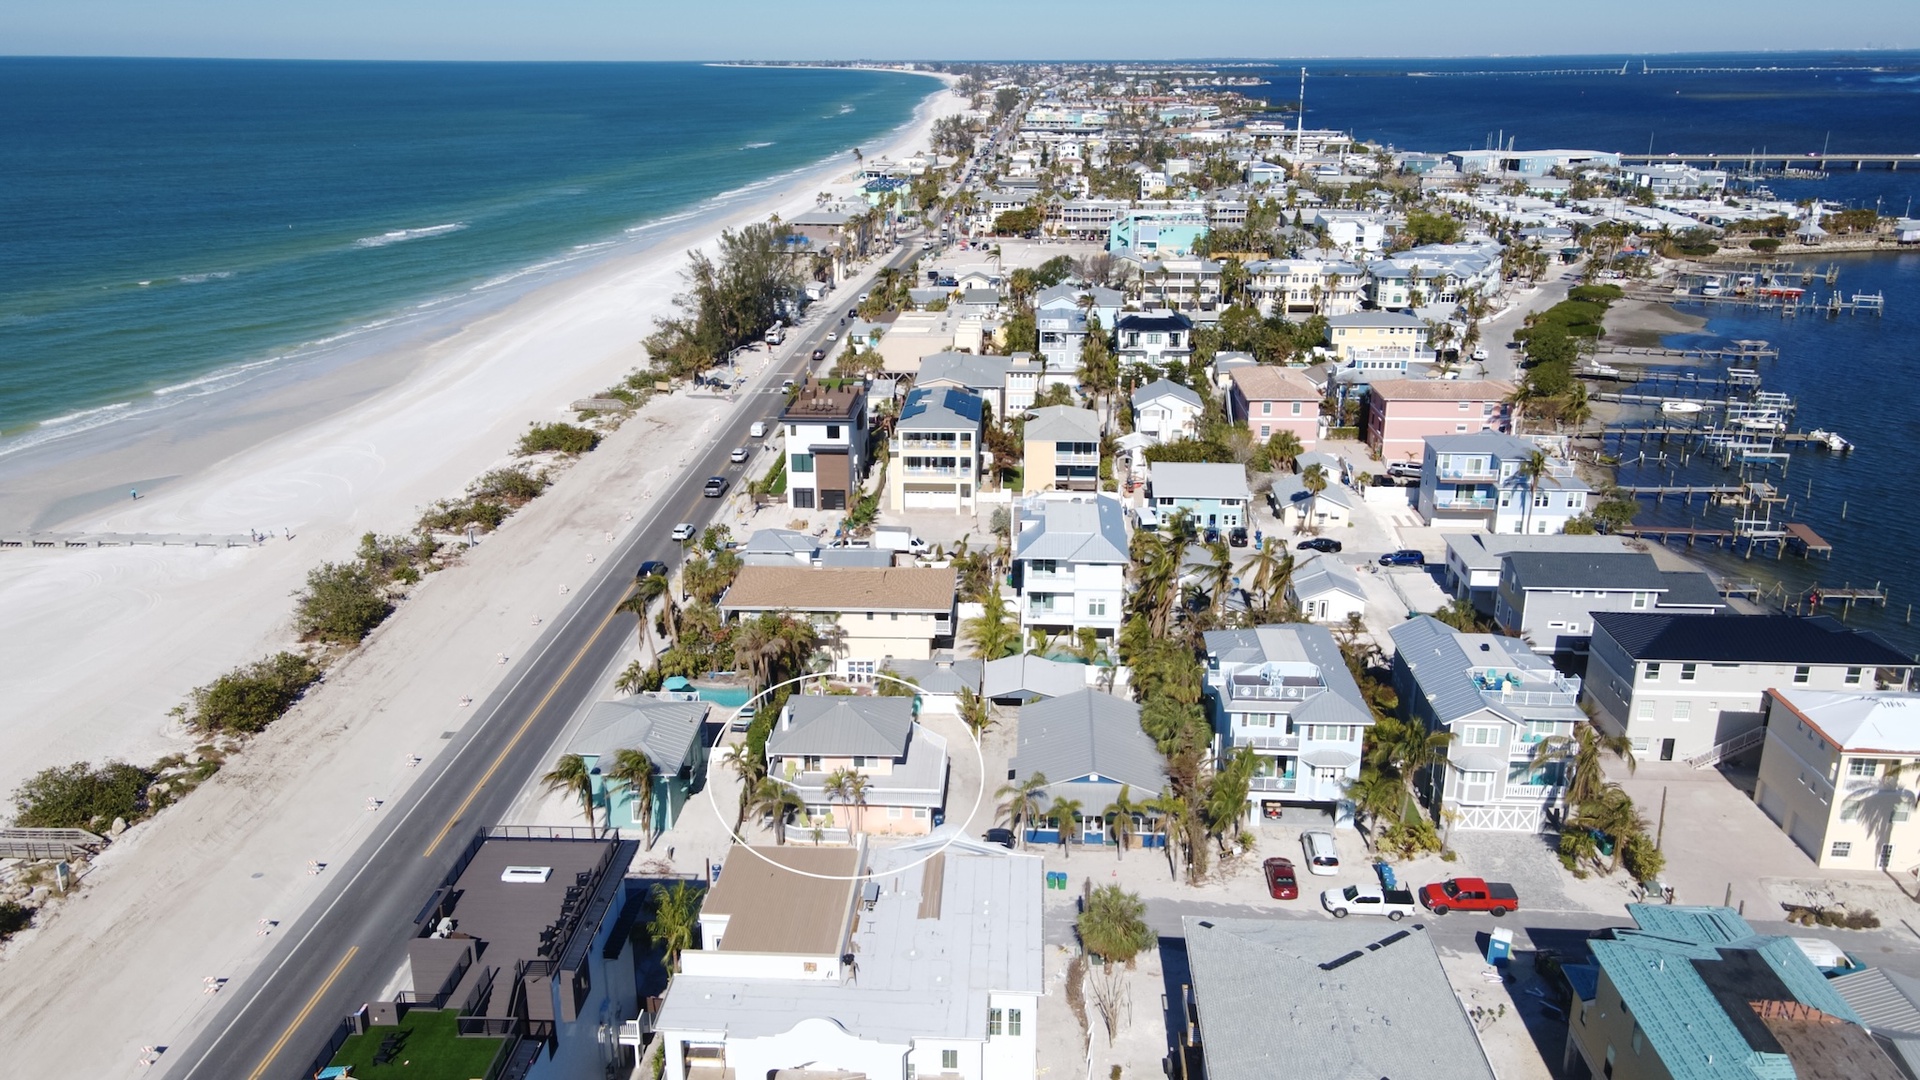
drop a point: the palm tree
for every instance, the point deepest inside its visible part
(779, 802)
(1219, 574)
(1271, 569)
(639, 603)
(1121, 826)
(1168, 813)
(1406, 747)
(1378, 798)
(750, 768)
(1531, 470)
(633, 678)
(992, 634)
(976, 711)
(849, 787)
(1612, 813)
(1585, 776)
(570, 774)
(1460, 614)
(1065, 814)
(755, 643)
(1114, 928)
(634, 769)
(1284, 447)
(676, 915)
(1021, 804)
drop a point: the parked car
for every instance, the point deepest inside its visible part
(1213, 534)
(1237, 537)
(786, 386)
(1470, 894)
(1323, 859)
(650, 568)
(1403, 557)
(1405, 470)
(716, 487)
(1281, 883)
(1318, 543)
(1395, 904)
(739, 455)
(1480, 355)
(683, 532)
(1003, 837)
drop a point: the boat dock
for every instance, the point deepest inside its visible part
(1759, 350)
(1846, 596)
(1666, 534)
(1805, 541)
(1685, 494)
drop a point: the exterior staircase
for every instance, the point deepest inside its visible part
(1740, 743)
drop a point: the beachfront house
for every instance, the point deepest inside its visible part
(1377, 333)
(1551, 597)
(1402, 414)
(1088, 747)
(1693, 686)
(1212, 496)
(1152, 342)
(819, 745)
(936, 451)
(1832, 775)
(1269, 400)
(1478, 481)
(1070, 563)
(1062, 450)
(669, 732)
(1500, 701)
(1166, 411)
(1474, 560)
(982, 375)
(826, 445)
(1285, 693)
(825, 962)
(874, 613)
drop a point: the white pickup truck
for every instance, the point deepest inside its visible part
(1395, 904)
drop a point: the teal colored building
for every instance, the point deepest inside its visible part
(1157, 234)
(669, 732)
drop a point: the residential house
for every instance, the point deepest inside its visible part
(1299, 508)
(785, 547)
(1285, 693)
(939, 679)
(1153, 342)
(1354, 234)
(1501, 702)
(668, 731)
(1070, 563)
(902, 767)
(936, 451)
(1212, 495)
(1166, 411)
(1028, 376)
(1024, 677)
(1179, 284)
(1303, 287)
(1690, 685)
(1062, 450)
(1379, 1004)
(1088, 746)
(982, 375)
(1326, 590)
(1695, 992)
(1060, 316)
(1478, 481)
(1551, 597)
(1832, 775)
(1474, 559)
(875, 614)
(822, 961)
(826, 446)
(1377, 334)
(1402, 414)
(542, 922)
(1269, 400)
(1225, 363)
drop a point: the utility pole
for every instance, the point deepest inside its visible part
(1661, 830)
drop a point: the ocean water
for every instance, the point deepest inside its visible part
(170, 229)
(1858, 374)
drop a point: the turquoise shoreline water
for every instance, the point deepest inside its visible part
(174, 228)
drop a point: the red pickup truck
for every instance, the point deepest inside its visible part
(1470, 894)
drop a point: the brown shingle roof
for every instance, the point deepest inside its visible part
(773, 909)
(800, 588)
(1268, 383)
(1441, 390)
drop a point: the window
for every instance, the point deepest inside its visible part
(802, 498)
(861, 670)
(895, 813)
(1013, 1021)
(1841, 849)
(1097, 608)
(833, 431)
(1044, 566)
(1687, 672)
(1266, 408)
(1802, 675)
(1465, 405)
(1480, 735)
(1541, 500)
(803, 463)
(1643, 709)
(1266, 430)
(1853, 676)
(919, 813)
(1863, 767)
(1683, 710)
(993, 1022)
(949, 1059)
(1640, 600)
(1653, 672)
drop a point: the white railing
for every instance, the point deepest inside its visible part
(1744, 741)
(1243, 736)
(1531, 698)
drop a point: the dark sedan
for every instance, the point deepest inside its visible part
(1403, 557)
(1318, 543)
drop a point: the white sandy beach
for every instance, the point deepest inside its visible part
(115, 637)
(102, 643)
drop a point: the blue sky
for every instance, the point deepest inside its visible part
(903, 29)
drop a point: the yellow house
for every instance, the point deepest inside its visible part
(902, 612)
(1835, 775)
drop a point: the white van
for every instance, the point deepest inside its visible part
(1323, 859)
(758, 430)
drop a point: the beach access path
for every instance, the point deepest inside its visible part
(213, 890)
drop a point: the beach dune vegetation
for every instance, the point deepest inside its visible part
(730, 300)
(342, 603)
(558, 437)
(80, 795)
(248, 698)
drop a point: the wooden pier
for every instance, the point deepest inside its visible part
(1686, 494)
(1804, 540)
(1669, 533)
(1765, 352)
(1846, 596)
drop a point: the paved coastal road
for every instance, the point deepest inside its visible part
(344, 950)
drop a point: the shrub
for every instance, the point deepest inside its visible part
(1642, 859)
(77, 796)
(1766, 245)
(452, 516)
(559, 437)
(342, 602)
(13, 918)
(513, 485)
(249, 698)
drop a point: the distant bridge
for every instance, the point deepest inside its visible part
(1752, 161)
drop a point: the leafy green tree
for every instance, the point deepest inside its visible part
(80, 796)
(569, 439)
(342, 603)
(248, 698)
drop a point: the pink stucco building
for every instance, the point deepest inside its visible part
(1402, 413)
(1270, 400)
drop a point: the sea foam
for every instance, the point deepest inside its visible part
(398, 236)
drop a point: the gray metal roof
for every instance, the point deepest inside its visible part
(1886, 1000)
(1502, 447)
(965, 369)
(1376, 318)
(1160, 388)
(1442, 661)
(940, 408)
(1342, 999)
(784, 542)
(1089, 529)
(1199, 480)
(1483, 551)
(1027, 676)
(938, 676)
(1615, 571)
(843, 726)
(666, 731)
(1062, 423)
(1325, 574)
(1087, 733)
(1343, 703)
(1690, 588)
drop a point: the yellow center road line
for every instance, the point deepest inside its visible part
(524, 726)
(312, 1003)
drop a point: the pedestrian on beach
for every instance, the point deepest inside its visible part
(134, 492)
